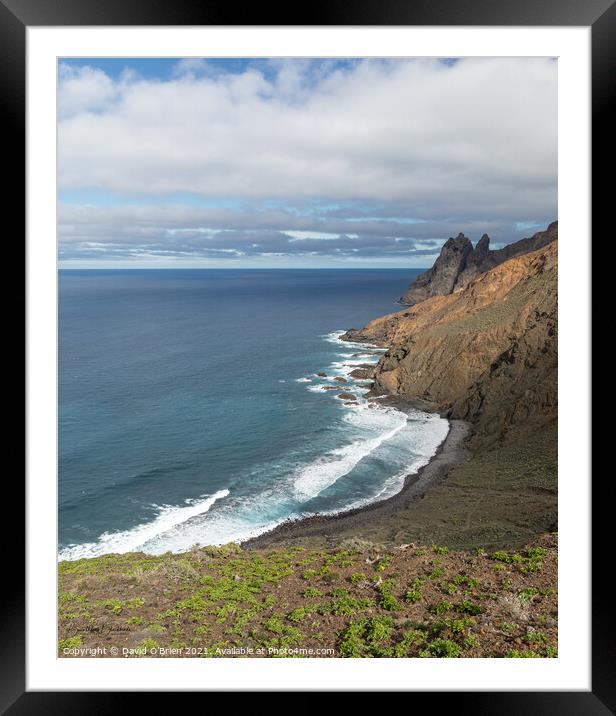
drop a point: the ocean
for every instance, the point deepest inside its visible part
(190, 411)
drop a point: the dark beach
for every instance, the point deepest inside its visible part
(450, 453)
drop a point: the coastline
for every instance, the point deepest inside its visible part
(450, 452)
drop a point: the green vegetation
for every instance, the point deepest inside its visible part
(349, 606)
(135, 620)
(532, 561)
(526, 654)
(471, 641)
(534, 637)
(413, 595)
(441, 607)
(73, 642)
(388, 601)
(365, 637)
(283, 602)
(442, 649)
(467, 607)
(383, 563)
(457, 626)
(297, 615)
(409, 642)
(440, 550)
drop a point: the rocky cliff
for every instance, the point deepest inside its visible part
(486, 353)
(459, 263)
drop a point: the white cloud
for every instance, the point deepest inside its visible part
(146, 233)
(479, 136)
(84, 89)
(369, 159)
(190, 66)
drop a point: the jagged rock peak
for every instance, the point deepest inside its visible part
(459, 263)
(483, 245)
(460, 240)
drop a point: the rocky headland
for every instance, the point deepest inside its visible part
(485, 356)
(459, 263)
(486, 353)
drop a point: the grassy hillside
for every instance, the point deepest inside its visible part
(359, 602)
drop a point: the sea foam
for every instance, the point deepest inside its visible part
(133, 539)
(411, 439)
(324, 472)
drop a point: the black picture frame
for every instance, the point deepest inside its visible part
(17, 15)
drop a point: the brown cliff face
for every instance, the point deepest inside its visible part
(486, 353)
(458, 263)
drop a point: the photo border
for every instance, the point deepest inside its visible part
(600, 15)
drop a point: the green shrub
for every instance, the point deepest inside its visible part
(528, 654)
(349, 606)
(379, 628)
(297, 614)
(148, 644)
(459, 626)
(274, 624)
(388, 601)
(409, 641)
(471, 641)
(534, 637)
(468, 607)
(357, 577)
(134, 620)
(135, 603)
(366, 637)
(441, 607)
(383, 563)
(536, 553)
(442, 649)
(73, 642)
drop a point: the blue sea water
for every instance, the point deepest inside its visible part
(190, 411)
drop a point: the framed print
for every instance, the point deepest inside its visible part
(308, 364)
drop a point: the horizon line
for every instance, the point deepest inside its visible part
(242, 268)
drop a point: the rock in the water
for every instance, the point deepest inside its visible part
(340, 379)
(346, 396)
(322, 374)
(362, 373)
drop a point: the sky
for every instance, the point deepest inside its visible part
(293, 163)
